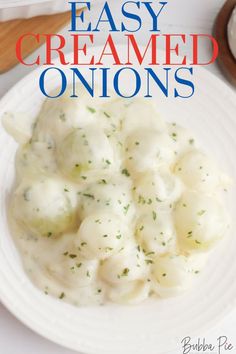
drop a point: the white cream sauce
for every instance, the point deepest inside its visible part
(111, 203)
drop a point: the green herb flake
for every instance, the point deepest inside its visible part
(197, 242)
(154, 215)
(201, 212)
(149, 261)
(150, 254)
(62, 296)
(108, 249)
(106, 114)
(72, 256)
(91, 109)
(164, 274)
(191, 141)
(126, 208)
(26, 195)
(62, 117)
(174, 136)
(102, 181)
(87, 195)
(125, 172)
(125, 272)
(141, 200)
(190, 234)
(78, 265)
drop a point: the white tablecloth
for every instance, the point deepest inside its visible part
(182, 16)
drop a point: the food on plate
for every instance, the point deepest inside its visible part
(112, 203)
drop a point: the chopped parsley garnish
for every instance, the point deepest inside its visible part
(106, 114)
(154, 215)
(72, 256)
(201, 212)
(87, 195)
(102, 181)
(149, 261)
(62, 117)
(174, 136)
(26, 195)
(62, 296)
(158, 200)
(91, 109)
(108, 162)
(150, 253)
(164, 274)
(125, 272)
(107, 249)
(125, 172)
(126, 208)
(141, 200)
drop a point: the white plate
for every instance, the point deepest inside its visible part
(155, 326)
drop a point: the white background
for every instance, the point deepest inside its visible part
(182, 16)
